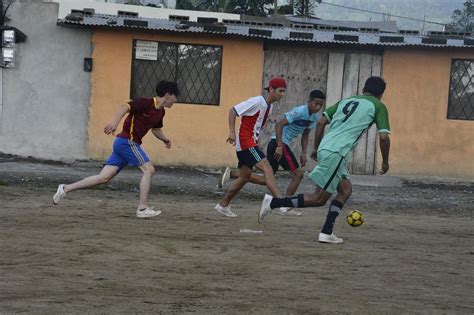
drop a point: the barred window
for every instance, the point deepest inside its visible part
(195, 68)
(461, 90)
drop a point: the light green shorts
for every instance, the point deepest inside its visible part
(329, 171)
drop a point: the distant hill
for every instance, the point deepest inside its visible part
(434, 10)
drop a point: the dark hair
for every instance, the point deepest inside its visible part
(375, 86)
(164, 87)
(317, 94)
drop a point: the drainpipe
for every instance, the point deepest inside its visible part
(2, 21)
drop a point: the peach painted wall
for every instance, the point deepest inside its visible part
(424, 141)
(198, 132)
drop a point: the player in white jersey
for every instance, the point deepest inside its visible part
(297, 121)
(348, 120)
(254, 113)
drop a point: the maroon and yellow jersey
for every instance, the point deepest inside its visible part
(143, 116)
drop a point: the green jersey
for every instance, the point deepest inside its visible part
(349, 119)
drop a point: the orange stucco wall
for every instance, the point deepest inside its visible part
(424, 141)
(198, 132)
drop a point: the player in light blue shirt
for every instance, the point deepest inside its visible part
(298, 121)
(348, 120)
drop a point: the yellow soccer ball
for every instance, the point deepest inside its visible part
(355, 218)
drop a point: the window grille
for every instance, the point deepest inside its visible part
(195, 68)
(461, 90)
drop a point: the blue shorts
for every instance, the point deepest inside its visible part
(126, 152)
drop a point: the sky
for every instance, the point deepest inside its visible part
(431, 10)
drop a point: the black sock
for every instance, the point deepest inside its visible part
(334, 210)
(291, 202)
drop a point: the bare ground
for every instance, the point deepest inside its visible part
(90, 254)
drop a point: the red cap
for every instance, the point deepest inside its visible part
(276, 83)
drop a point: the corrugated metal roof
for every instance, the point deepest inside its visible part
(264, 32)
(389, 26)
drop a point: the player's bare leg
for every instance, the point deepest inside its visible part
(297, 177)
(223, 206)
(108, 172)
(317, 199)
(344, 190)
(270, 180)
(144, 211)
(254, 178)
(236, 185)
(145, 183)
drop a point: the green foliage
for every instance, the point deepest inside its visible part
(208, 5)
(185, 5)
(255, 8)
(305, 7)
(285, 9)
(463, 20)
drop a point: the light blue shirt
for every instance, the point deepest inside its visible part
(299, 120)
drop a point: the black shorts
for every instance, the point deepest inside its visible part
(288, 160)
(250, 157)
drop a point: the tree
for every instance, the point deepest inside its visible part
(185, 5)
(248, 7)
(305, 7)
(286, 10)
(208, 5)
(463, 20)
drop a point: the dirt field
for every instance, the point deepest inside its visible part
(414, 254)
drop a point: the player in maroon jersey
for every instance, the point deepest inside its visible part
(143, 114)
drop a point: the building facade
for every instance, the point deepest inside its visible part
(430, 84)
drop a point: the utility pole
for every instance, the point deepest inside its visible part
(423, 25)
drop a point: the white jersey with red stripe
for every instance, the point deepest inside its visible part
(254, 113)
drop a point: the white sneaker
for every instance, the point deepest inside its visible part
(265, 208)
(326, 238)
(147, 213)
(282, 210)
(224, 178)
(225, 211)
(287, 211)
(60, 194)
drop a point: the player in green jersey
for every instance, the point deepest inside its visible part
(348, 120)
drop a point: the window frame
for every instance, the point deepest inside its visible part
(132, 79)
(453, 60)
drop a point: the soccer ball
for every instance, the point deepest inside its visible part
(355, 218)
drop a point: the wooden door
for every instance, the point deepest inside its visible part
(339, 74)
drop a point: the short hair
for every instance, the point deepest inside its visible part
(317, 94)
(375, 86)
(164, 87)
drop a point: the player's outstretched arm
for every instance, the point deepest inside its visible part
(384, 141)
(112, 126)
